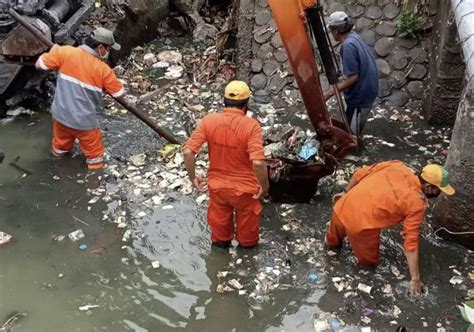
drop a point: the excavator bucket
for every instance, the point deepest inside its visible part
(21, 42)
(299, 183)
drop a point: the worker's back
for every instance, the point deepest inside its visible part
(357, 58)
(387, 194)
(234, 140)
(81, 79)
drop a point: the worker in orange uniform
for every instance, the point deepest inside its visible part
(237, 175)
(381, 196)
(83, 75)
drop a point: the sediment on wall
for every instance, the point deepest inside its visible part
(446, 70)
(453, 216)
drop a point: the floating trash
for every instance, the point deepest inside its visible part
(76, 235)
(364, 288)
(88, 307)
(5, 238)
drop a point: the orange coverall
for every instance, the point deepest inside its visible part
(386, 194)
(82, 78)
(234, 141)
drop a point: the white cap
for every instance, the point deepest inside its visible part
(337, 19)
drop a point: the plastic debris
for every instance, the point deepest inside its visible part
(83, 246)
(201, 198)
(19, 111)
(387, 289)
(456, 280)
(309, 150)
(88, 307)
(174, 72)
(364, 288)
(161, 64)
(396, 311)
(138, 159)
(149, 58)
(327, 322)
(367, 311)
(222, 274)
(236, 284)
(313, 277)
(93, 200)
(170, 56)
(58, 238)
(127, 236)
(321, 325)
(155, 264)
(76, 235)
(168, 149)
(366, 320)
(5, 238)
(395, 271)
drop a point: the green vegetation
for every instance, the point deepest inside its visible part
(409, 23)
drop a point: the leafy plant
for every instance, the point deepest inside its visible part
(409, 23)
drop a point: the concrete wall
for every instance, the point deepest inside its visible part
(447, 68)
(456, 214)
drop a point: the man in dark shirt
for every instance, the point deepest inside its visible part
(360, 84)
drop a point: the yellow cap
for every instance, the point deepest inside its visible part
(439, 177)
(237, 90)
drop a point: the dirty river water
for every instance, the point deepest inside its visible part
(50, 279)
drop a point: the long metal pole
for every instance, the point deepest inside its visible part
(38, 34)
(340, 105)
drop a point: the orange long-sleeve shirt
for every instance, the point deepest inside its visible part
(234, 141)
(386, 194)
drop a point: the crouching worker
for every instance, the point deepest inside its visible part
(82, 77)
(237, 175)
(381, 196)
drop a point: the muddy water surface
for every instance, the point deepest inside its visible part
(50, 280)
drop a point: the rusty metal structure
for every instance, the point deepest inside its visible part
(301, 24)
(56, 19)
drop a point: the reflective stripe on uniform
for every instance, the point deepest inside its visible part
(58, 151)
(81, 84)
(118, 94)
(41, 63)
(95, 160)
(75, 103)
(81, 80)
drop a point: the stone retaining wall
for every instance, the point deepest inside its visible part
(403, 63)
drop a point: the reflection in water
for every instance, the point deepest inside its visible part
(181, 293)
